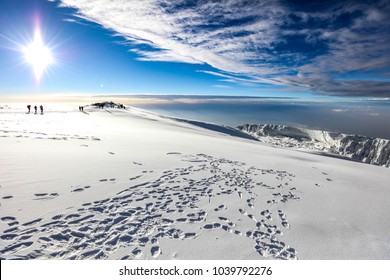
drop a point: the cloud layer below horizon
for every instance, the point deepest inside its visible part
(333, 47)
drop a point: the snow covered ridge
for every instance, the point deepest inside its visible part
(374, 151)
(111, 183)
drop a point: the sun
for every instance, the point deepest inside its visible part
(38, 55)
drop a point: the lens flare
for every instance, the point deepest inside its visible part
(38, 55)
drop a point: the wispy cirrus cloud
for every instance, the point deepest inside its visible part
(292, 43)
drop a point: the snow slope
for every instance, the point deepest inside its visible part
(129, 184)
(360, 148)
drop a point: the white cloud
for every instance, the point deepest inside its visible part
(177, 36)
(256, 39)
(221, 86)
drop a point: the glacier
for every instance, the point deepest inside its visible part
(365, 149)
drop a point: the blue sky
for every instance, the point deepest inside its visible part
(232, 47)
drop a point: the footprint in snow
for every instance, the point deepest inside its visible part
(155, 251)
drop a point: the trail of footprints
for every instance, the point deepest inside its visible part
(140, 215)
(40, 135)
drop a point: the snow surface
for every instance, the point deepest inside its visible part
(360, 148)
(129, 184)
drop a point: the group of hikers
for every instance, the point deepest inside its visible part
(111, 104)
(35, 108)
(81, 108)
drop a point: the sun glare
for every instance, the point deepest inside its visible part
(38, 55)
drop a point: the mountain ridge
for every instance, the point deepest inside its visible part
(375, 151)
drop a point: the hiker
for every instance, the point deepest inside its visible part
(35, 108)
(41, 108)
(29, 108)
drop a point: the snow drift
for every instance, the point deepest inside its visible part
(111, 183)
